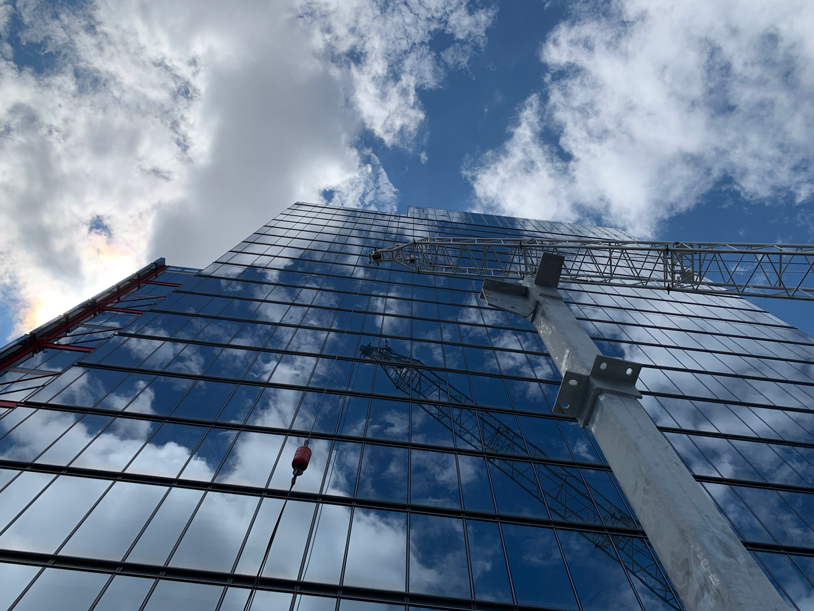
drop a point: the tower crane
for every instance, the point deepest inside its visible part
(701, 554)
(567, 495)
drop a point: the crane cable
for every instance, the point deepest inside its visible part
(299, 468)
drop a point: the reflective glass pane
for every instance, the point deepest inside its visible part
(538, 572)
(323, 562)
(168, 450)
(204, 401)
(437, 556)
(477, 492)
(434, 479)
(597, 572)
(38, 529)
(124, 594)
(488, 562)
(208, 457)
(64, 590)
(212, 540)
(384, 473)
(377, 554)
(18, 494)
(13, 580)
(251, 459)
(114, 523)
(165, 527)
(181, 596)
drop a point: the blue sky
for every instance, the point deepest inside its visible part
(136, 129)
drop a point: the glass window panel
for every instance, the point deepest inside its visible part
(194, 359)
(474, 335)
(280, 339)
(88, 390)
(343, 468)
(690, 454)
(240, 404)
(253, 334)
(388, 420)
(527, 397)
(72, 442)
(125, 392)
(275, 407)
(431, 424)
(263, 366)
(730, 462)
(377, 554)
(204, 401)
(289, 543)
(612, 507)
(516, 489)
(544, 438)
(488, 562)
(790, 578)
(437, 556)
(232, 363)
(293, 369)
(182, 596)
(117, 445)
(598, 575)
(501, 433)
(434, 479)
(207, 458)
(477, 492)
(566, 494)
(161, 396)
(384, 473)
(63, 590)
(323, 562)
(538, 572)
(161, 534)
(163, 356)
(221, 331)
(354, 416)
(124, 594)
(132, 352)
(768, 463)
(776, 515)
(35, 434)
(331, 373)
(192, 328)
(36, 530)
(115, 522)
(490, 392)
(359, 605)
(430, 353)
(213, 538)
(58, 384)
(13, 580)
(738, 513)
(168, 451)
(251, 459)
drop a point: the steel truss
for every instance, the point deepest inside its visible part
(566, 494)
(748, 270)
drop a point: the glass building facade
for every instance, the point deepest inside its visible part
(145, 450)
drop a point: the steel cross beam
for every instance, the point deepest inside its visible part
(707, 563)
(749, 270)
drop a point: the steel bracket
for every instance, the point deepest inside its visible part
(578, 392)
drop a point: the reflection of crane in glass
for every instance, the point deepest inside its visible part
(566, 495)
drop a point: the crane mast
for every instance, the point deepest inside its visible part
(747, 270)
(702, 555)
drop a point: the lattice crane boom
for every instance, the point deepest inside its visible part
(565, 494)
(748, 270)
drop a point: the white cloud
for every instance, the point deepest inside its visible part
(147, 129)
(648, 105)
